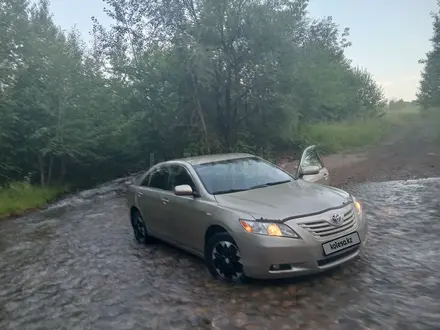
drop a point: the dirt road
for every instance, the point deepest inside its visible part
(412, 151)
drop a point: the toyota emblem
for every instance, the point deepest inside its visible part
(336, 219)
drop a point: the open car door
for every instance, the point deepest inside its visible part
(311, 168)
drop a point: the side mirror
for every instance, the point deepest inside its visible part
(183, 190)
(310, 170)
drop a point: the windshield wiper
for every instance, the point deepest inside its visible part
(229, 191)
(269, 184)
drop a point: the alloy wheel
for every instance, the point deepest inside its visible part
(226, 260)
(140, 232)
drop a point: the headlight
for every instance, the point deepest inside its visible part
(357, 206)
(268, 228)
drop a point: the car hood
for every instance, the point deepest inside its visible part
(294, 199)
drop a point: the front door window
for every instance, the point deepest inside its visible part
(180, 176)
(159, 179)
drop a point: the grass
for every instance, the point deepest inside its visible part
(20, 197)
(349, 135)
(434, 116)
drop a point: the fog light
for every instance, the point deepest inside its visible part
(280, 267)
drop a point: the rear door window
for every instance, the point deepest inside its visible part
(145, 181)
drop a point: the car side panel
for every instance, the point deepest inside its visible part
(189, 218)
(153, 210)
(131, 196)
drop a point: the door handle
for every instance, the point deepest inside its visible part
(165, 201)
(140, 194)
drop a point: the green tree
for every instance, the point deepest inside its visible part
(13, 35)
(167, 78)
(429, 89)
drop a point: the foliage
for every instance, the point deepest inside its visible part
(347, 135)
(19, 197)
(342, 136)
(168, 78)
(433, 115)
(429, 89)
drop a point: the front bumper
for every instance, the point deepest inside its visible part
(303, 256)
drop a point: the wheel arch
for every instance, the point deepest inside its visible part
(214, 229)
(133, 211)
(210, 232)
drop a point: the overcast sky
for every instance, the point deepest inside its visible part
(388, 36)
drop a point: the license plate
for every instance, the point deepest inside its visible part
(341, 243)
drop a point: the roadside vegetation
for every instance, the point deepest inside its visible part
(172, 78)
(434, 116)
(428, 95)
(344, 136)
(18, 197)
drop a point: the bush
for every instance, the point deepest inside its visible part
(19, 197)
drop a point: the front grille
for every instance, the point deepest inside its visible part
(323, 229)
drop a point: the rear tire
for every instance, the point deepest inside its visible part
(222, 257)
(139, 228)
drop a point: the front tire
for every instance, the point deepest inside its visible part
(139, 228)
(223, 259)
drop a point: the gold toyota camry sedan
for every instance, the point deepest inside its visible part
(246, 217)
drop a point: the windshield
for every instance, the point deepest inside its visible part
(239, 174)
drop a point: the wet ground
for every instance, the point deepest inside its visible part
(76, 266)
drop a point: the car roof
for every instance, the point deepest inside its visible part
(204, 159)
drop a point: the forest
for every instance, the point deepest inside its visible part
(168, 78)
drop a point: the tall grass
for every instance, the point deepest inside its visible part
(348, 135)
(19, 197)
(433, 115)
